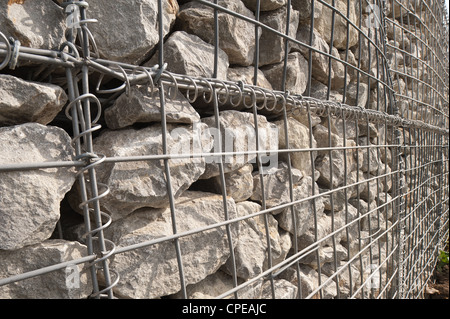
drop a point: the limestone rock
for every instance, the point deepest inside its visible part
(299, 138)
(296, 74)
(304, 211)
(188, 54)
(271, 44)
(237, 130)
(140, 106)
(237, 37)
(247, 75)
(152, 271)
(267, 5)
(251, 252)
(276, 185)
(36, 24)
(24, 101)
(132, 22)
(217, 284)
(30, 200)
(283, 290)
(71, 282)
(238, 183)
(140, 184)
(320, 63)
(323, 23)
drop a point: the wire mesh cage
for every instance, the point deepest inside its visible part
(223, 149)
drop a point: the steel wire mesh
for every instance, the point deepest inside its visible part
(374, 234)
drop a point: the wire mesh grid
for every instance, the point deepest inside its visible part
(351, 201)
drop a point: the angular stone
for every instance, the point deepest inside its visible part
(296, 74)
(238, 183)
(283, 289)
(271, 44)
(30, 200)
(309, 279)
(132, 22)
(141, 106)
(345, 278)
(71, 282)
(219, 283)
(267, 5)
(237, 130)
(24, 101)
(323, 24)
(319, 61)
(247, 75)
(326, 255)
(276, 185)
(152, 271)
(188, 54)
(320, 91)
(36, 24)
(237, 37)
(304, 7)
(304, 211)
(368, 158)
(140, 184)
(299, 138)
(251, 252)
(331, 168)
(357, 95)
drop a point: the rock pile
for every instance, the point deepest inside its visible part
(33, 201)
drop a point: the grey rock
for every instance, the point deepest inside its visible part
(152, 271)
(237, 130)
(320, 91)
(190, 55)
(323, 23)
(237, 37)
(296, 74)
(272, 46)
(303, 211)
(251, 252)
(24, 101)
(134, 23)
(357, 95)
(299, 138)
(276, 185)
(247, 75)
(267, 5)
(309, 281)
(30, 204)
(238, 183)
(141, 106)
(71, 282)
(36, 24)
(348, 276)
(134, 185)
(283, 289)
(304, 8)
(217, 284)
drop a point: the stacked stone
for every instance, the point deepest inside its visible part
(138, 201)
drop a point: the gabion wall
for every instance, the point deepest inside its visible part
(222, 149)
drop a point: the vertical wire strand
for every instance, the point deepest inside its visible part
(164, 148)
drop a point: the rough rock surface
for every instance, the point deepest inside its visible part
(24, 101)
(141, 106)
(36, 24)
(30, 200)
(132, 39)
(188, 54)
(140, 184)
(237, 130)
(152, 271)
(237, 37)
(71, 282)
